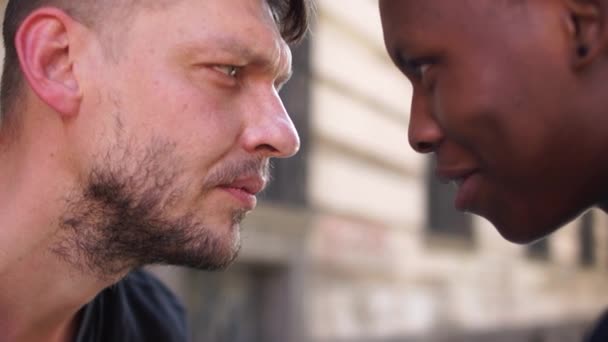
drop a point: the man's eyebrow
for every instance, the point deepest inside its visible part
(216, 46)
(238, 48)
(256, 56)
(223, 45)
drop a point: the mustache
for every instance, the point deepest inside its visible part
(231, 171)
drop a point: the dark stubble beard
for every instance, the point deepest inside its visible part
(121, 219)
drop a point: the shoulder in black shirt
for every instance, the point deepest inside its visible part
(139, 308)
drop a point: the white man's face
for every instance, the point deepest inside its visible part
(185, 118)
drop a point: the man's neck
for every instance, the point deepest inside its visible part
(40, 299)
(40, 293)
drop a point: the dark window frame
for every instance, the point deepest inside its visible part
(289, 183)
(587, 253)
(539, 250)
(443, 221)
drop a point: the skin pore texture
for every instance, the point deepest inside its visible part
(147, 146)
(509, 98)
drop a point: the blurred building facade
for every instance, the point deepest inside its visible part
(354, 241)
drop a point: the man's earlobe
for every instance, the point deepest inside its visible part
(586, 31)
(43, 46)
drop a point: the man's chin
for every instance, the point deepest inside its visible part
(224, 255)
(208, 248)
(525, 231)
(217, 262)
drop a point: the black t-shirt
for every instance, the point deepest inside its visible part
(599, 333)
(139, 308)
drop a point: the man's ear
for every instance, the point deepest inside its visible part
(43, 46)
(586, 30)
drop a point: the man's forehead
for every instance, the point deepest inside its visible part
(249, 27)
(414, 8)
(410, 10)
(411, 17)
(414, 18)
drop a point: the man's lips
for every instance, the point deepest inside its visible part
(457, 176)
(467, 181)
(245, 190)
(252, 185)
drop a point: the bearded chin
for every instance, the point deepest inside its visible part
(122, 219)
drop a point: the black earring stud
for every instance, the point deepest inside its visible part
(582, 51)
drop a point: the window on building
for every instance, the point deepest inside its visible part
(539, 250)
(243, 304)
(586, 240)
(289, 176)
(443, 219)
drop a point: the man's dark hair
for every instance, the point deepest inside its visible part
(292, 17)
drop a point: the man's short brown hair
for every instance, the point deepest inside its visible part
(292, 16)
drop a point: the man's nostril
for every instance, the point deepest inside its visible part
(424, 147)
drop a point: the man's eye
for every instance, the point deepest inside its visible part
(415, 67)
(418, 67)
(229, 70)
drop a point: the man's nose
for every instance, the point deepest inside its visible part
(425, 134)
(269, 130)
